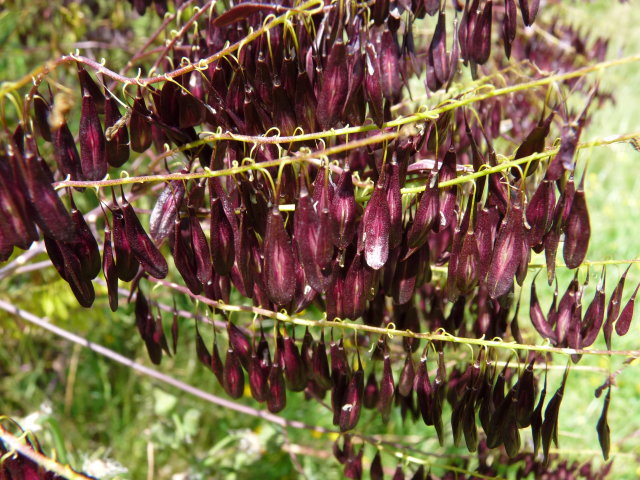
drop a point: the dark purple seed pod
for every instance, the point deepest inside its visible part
(424, 390)
(305, 103)
(355, 285)
(183, 255)
(539, 212)
(139, 126)
(85, 245)
(481, 39)
(398, 474)
(526, 396)
(353, 465)
(50, 213)
(65, 153)
(529, 10)
(376, 223)
(577, 230)
(90, 87)
(340, 377)
(352, 402)
(407, 377)
(201, 251)
(165, 211)
(549, 428)
(624, 320)
(116, 134)
(201, 350)
(279, 270)
(109, 270)
(438, 52)
(613, 308)
(594, 317)
(294, 370)
(509, 25)
(566, 308)
(126, 263)
(146, 326)
(371, 394)
(449, 194)
(344, 210)
(320, 372)
(536, 418)
(41, 111)
(145, 251)
(372, 85)
(387, 389)
(538, 319)
(277, 396)
(233, 376)
(240, 343)
(222, 239)
(507, 252)
(534, 143)
(394, 202)
(427, 214)
(307, 228)
(258, 378)
(335, 83)
(69, 267)
(92, 141)
(604, 434)
(390, 80)
(376, 472)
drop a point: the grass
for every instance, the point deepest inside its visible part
(95, 413)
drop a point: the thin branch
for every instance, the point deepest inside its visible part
(392, 331)
(15, 444)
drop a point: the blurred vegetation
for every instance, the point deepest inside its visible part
(97, 414)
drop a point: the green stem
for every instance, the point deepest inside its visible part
(349, 325)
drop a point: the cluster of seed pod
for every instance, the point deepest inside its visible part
(354, 245)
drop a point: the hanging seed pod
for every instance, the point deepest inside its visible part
(340, 377)
(387, 389)
(352, 403)
(240, 344)
(376, 472)
(69, 267)
(566, 309)
(92, 141)
(481, 43)
(201, 251)
(371, 394)
(320, 372)
(258, 380)
(577, 230)
(372, 85)
(343, 211)
(376, 223)
(335, 84)
(538, 319)
(353, 466)
(126, 263)
(594, 316)
(536, 418)
(139, 126)
(390, 81)
(549, 429)
(278, 260)
(183, 255)
(66, 153)
(165, 211)
(116, 134)
(526, 396)
(84, 244)
(604, 434)
(539, 212)
(277, 397)
(407, 376)
(509, 25)
(145, 251)
(624, 320)
(438, 52)
(146, 326)
(294, 370)
(427, 214)
(529, 10)
(41, 111)
(533, 143)
(233, 376)
(355, 286)
(90, 87)
(50, 213)
(109, 270)
(613, 308)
